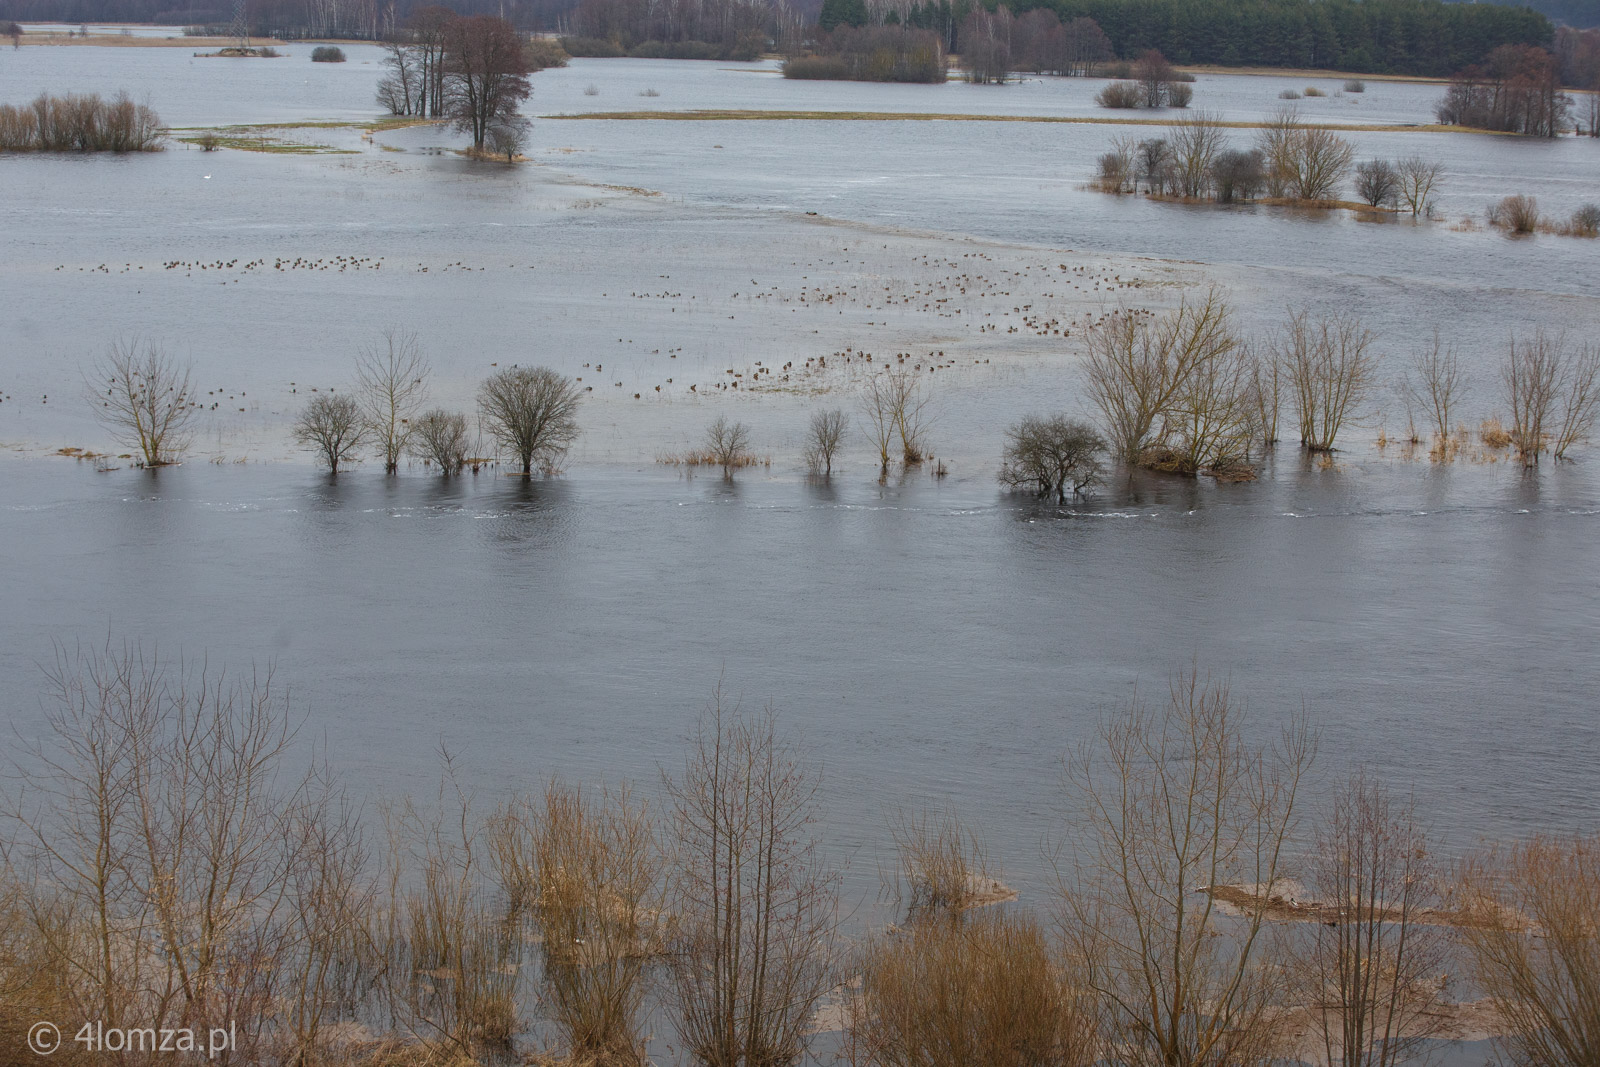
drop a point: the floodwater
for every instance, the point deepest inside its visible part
(932, 640)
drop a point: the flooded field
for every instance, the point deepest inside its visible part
(932, 640)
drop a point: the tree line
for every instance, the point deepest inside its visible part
(174, 860)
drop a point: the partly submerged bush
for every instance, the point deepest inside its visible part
(1355, 85)
(74, 123)
(1120, 95)
(327, 53)
(1518, 214)
(1585, 221)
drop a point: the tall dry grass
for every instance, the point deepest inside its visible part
(981, 990)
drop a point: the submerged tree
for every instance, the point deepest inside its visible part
(485, 74)
(532, 412)
(143, 397)
(1052, 455)
(752, 949)
(391, 377)
(332, 427)
(824, 436)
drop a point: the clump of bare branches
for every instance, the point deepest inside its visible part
(1517, 214)
(1303, 162)
(143, 397)
(597, 912)
(1173, 799)
(181, 873)
(391, 380)
(1173, 390)
(1331, 370)
(1553, 389)
(440, 437)
(532, 412)
(1052, 456)
(943, 866)
(453, 962)
(728, 445)
(897, 407)
(1369, 971)
(331, 426)
(824, 436)
(1418, 178)
(753, 903)
(1534, 947)
(982, 990)
(1436, 385)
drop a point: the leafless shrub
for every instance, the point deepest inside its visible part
(1238, 175)
(1369, 974)
(1195, 144)
(943, 867)
(1118, 171)
(170, 844)
(532, 412)
(1120, 95)
(1052, 455)
(75, 123)
(1331, 371)
(1418, 178)
(440, 437)
(824, 436)
(332, 426)
(1535, 949)
(597, 912)
(1585, 221)
(984, 990)
(1436, 384)
(1553, 390)
(1322, 159)
(1518, 214)
(507, 137)
(1277, 144)
(1289, 94)
(752, 950)
(1355, 85)
(728, 444)
(144, 399)
(1378, 183)
(1173, 799)
(1313, 91)
(1141, 368)
(897, 406)
(453, 962)
(391, 380)
(1266, 390)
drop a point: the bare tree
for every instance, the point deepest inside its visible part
(728, 444)
(440, 437)
(143, 398)
(1418, 178)
(824, 436)
(1277, 143)
(332, 427)
(1378, 183)
(1174, 801)
(1266, 388)
(1580, 395)
(1330, 369)
(1195, 143)
(532, 412)
(485, 73)
(752, 949)
(508, 137)
(897, 406)
(1533, 947)
(1139, 364)
(391, 379)
(1436, 384)
(1368, 970)
(1210, 420)
(1322, 160)
(1052, 456)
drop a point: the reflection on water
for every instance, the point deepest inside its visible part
(931, 641)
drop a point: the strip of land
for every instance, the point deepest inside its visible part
(717, 115)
